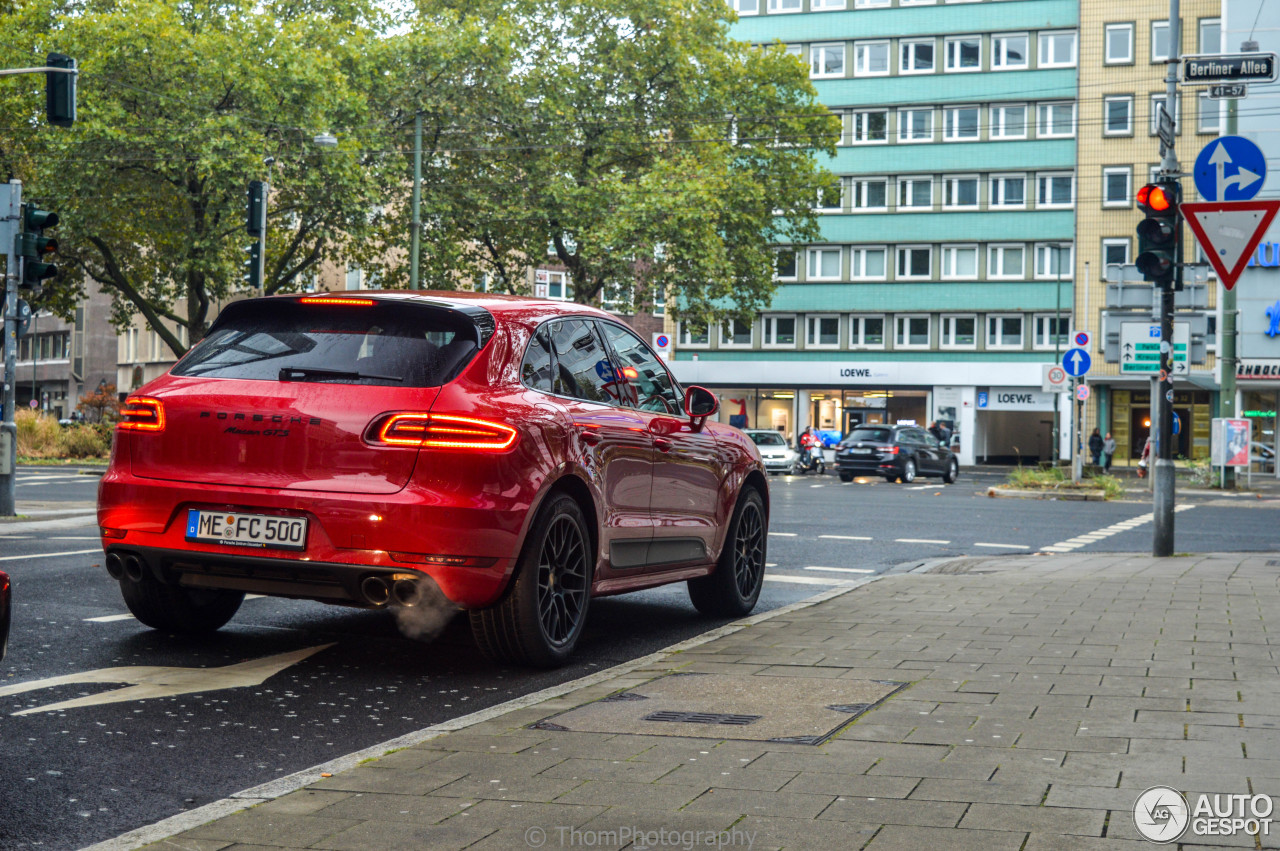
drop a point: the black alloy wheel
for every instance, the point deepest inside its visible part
(953, 471)
(562, 581)
(732, 590)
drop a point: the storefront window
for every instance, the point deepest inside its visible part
(1260, 407)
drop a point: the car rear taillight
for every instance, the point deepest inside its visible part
(892, 450)
(442, 431)
(142, 413)
(342, 301)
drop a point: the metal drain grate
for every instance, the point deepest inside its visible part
(703, 718)
(850, 708)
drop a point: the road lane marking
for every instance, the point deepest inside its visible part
(845, 537)
(919, 541)
(1004, 546)
(109, 619)
(51, 555)
(782, 534)
(842, 569)
(810, 580)
(1105, 532)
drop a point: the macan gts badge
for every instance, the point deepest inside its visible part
(514, 458)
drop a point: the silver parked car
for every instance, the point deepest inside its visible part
(778, 457)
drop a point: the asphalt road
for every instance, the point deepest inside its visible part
(77, 775)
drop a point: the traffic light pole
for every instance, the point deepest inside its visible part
(10, 217)
(1162, 385)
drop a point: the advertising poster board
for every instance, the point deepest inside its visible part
(1230, 443)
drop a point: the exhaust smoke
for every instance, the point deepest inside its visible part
(423, 612)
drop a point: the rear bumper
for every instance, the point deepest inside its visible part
(868, 465)
(467, 543)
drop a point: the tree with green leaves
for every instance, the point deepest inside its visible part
(637, 145)
(181, 104)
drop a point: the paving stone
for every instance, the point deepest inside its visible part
(613, 794)
(894, 811)
(365, 779)
(608, 769)
(795, 833)
(268, 828)
(456, 833)
(303, 802)
(895, 837)
(508, 789)
(407, 808)
(857, 785)
(934, 789)
(749, 802)
(1042, 819)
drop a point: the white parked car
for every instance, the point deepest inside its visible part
(778, 457)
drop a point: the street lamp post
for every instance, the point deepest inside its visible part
(1057, 357)
(415, 229)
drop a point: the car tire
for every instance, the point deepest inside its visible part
(172, 608)
(846, 477)
(953, 471)
(908, 471)
(732, 590)
(539, 621)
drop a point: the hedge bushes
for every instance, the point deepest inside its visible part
(40, 436)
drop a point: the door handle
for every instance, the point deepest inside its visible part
(664, 444)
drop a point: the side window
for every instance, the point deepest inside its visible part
(535, 371)
(649, 384)
(583, 370)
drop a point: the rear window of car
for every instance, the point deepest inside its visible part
(388, 344)
(875, 435)
(767, 438)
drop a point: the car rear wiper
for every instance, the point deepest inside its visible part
(302, 373)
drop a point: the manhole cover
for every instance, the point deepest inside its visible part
(798, 710)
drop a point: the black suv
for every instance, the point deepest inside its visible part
(895, 452)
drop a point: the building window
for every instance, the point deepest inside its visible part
(964, 53)
(1008, 52)
(915, 262)
(1053, 260)
(959, 332)
(1008, 190)
(779, 7)
(353, 277)
(871, 4)
(911, 332)
(735, 334)
(1057, 50)
(1211, 35)
(1009, 121)
(960, 193)
(870, 58)
(1116, 186)
(830, 197)
(1159, 41)
(553, 285)
(787, 262)
(794, 50)
(915, 125)
(871, 127)
(694, 335)
(745, 7)
(1115, 252)
(823, 332)
(871, 194)
(1006, 261)
(960, 262)
(824, 264)
(867, 263)
(1056, 120)
(779, 332)
(826, 60)
(866, 332)
(1052, 330)
(1004, 331)
(826, 5)
(1209, 114)
(960, 123)
(1119, 44)
(915, 192)
(1117, 115)
(916, 57)
(1054, 190)
(1157, 102)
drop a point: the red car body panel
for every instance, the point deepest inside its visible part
(457, 515)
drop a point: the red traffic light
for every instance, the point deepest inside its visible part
(1154, 198)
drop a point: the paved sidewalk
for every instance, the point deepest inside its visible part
(1042, 695)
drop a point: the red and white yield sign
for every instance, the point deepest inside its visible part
(1229, 232)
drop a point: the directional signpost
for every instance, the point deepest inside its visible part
(1228, 223)
(1230, 168)
(1140, 347)
(1076, 362)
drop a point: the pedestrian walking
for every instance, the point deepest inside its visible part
(1108, 451)
(1095, 447)
(1143, 460)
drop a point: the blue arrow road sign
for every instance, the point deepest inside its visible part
(1230, 168)
(1076, 362)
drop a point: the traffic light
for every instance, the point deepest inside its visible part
(1157, 258)
(253, 266)
(60, 90)
(257, 219)
(33, 245)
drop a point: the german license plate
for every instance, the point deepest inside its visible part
(864, 452)
(247, 530)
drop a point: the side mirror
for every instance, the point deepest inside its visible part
(700, 402)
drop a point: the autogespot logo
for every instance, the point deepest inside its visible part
(1161, 814)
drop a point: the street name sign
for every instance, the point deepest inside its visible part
(1140, 347)
(1228, 91)
(1229, 232)
(1076, 362)
(1229, 68)
(1230, 168)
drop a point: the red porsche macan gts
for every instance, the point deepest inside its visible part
(523, 456)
